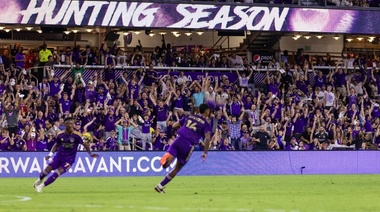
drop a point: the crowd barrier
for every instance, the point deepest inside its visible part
(193, 73)
(29, 164)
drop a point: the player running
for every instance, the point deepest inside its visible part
(66, 148)
(193, 127)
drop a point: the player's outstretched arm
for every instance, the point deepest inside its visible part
(207, 145)
(53, 149)
(88, 149)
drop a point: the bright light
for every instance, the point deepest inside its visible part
(349, 39)
(319, 36)
(125, 33)
(360, 38)
(372, 37)
(199, 33)
(1, 28)
(307, 37)
(137, 32)
(295, 38)
(336, 37)
(66, 32)
(7, 30)
(151, 34)
(188, 33)
(89, 30)
(39, 31)
(75, 30)
(28, 28)
(177, 35)
(162, 33)
(18, 29)
(175, 32)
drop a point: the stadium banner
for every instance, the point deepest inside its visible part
(127, 163)
(191, 76)
(188, 15)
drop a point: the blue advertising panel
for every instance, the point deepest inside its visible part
(29, 164)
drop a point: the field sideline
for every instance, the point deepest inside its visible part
(320, 193)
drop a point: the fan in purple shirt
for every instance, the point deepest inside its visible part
(18, 144)
(191, 130)
(66, 148)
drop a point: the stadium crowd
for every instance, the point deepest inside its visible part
(339, 110)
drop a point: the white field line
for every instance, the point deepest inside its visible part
(16, 199)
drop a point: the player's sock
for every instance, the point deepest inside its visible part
(166, 180)
(43, 175)
(51, 179)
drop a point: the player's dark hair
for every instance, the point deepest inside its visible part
(203, 108)
(69, 119)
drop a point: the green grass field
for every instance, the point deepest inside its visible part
(320, 193)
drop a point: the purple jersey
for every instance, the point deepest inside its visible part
(4, 144)
(18, 145)
(54, 87)
(135, 89)
(109, 122)
(320, 81)
(235, 109)
(193, 128)
(161, 113)
(68, 145)
(41, 145)
(145, 128)
(111, 143)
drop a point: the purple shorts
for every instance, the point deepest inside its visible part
(181, 149)
(59, 162)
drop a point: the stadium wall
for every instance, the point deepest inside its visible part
(112, 164)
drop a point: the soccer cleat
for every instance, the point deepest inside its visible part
(164, 160)
(159, 190)
(39, 188)
(37, 183)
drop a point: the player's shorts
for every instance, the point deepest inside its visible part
(181, 149)
(58, 162)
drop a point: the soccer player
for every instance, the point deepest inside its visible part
(66, 148)
(192, 128)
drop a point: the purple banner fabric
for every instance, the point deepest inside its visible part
(191, 16)
(18, 164)
(191, 76)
